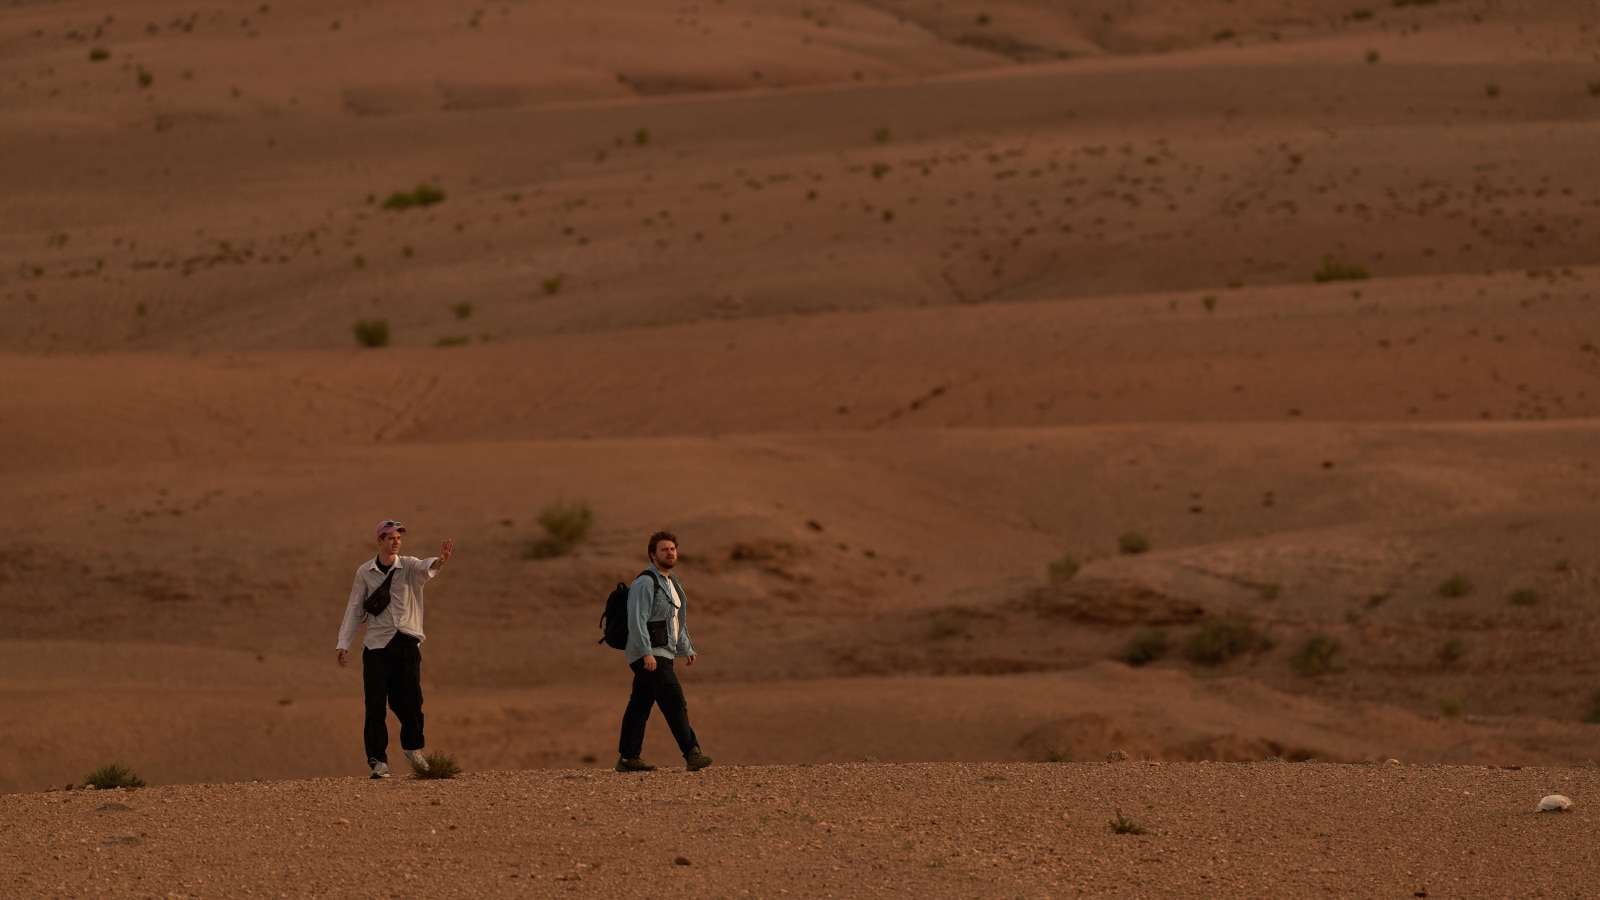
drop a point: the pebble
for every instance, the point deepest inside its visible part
(1555, 803)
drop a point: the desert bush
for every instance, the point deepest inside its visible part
(1593, 715)
(113, 776)
(462, 310)
(1452, 649)
(440, 765)
(1209, 301)
(1225, 34)
(1450, 706)
(1373, 56)
(452, 340)
(372, 332)
(1219, 639)
(1133, 542)
(1064, 569)
(1359, 14)
(1457, 585)
(948, 623)
(1491, 90)
(881, 134)
(1333, 270)
(1146, 645)
(1124, 825)
(1594, 88)
(1524, 596)
(880, 169)
(99, 54)
(552, 285)
(1056, 753)
(1316, 655)
(565, 526)
(421, 195)
(641, 136)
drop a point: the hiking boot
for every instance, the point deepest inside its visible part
(418, 761)
(634, 765)
(380, 769)
(696, 760)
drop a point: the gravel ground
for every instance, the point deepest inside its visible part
(950, 830)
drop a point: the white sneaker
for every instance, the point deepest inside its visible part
(379, 769)
(418, 761)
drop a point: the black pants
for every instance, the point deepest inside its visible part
(658, 688)
(393, 673)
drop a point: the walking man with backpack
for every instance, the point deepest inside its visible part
(658, 634)
(387, 595)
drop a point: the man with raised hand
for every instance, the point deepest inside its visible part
(387, 596)
(658, 633)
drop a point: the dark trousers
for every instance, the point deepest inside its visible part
(393, 674)
(658, 688)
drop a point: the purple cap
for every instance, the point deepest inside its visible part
(388, 526)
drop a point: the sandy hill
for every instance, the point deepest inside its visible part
(909, 317)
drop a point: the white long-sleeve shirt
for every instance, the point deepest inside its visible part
(405, 602)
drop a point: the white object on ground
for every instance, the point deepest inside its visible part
(1555, 803)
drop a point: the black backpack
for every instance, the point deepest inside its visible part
(614, 621)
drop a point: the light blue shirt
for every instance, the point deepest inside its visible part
(649, 603)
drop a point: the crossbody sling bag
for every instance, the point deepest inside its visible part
(657, 630)
(378, 600)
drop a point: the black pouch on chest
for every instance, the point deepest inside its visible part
(658, 632)
(378, 600)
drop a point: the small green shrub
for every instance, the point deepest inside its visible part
(1133, 542)
(146, 77)
(1145, 646)
(552, 285)
(1056, 753)
(113, 776)
(1373, 56)
(1123, 825)
(1450, 707)
(99, 54)
(1452, 649)
(565, 526)
(641, 136)
(462, 310)
(1315, 656)
(1333, 270)
(372, 332)
(1524, 596)
(452, 340)
(1209, 301)
(440, 765)
(948, 623)
(1457, 585)
(421, 195)
(1064, 569)
(1225, 34)
(1593, 715)
(881, 134)
(1219, 639)
(1358, 15)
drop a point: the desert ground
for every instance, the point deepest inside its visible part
(995, 363)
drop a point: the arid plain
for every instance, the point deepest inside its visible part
(883, 307)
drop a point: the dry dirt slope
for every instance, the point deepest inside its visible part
(983, 830)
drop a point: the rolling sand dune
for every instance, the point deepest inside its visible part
(911, 318)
